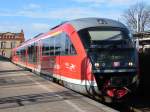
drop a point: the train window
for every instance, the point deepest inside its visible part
(105, 38)
(67, 47)
(29, 54)
(48, 47)
(32, 53)
(45, 48)
(105, 35)
(85, 38)
(52, 46)
(58, 45)
(17, 53)
(23, 54)
(63, 38)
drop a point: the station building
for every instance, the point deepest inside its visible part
(8, 41)
(144, 40)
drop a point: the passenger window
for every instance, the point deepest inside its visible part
(67, 47)
(58, 45)
(45, 47)
(52, 45)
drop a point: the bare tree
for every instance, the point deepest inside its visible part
(137, 17)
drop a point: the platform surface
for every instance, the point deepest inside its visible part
(23, 91)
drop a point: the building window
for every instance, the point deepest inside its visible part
(3, 45)
(13, 44)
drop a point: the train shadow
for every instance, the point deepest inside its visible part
(5, 71)
(144, 74)
(31, 99)
(141, 98)
(2, 58)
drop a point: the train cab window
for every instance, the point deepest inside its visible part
(85, 40)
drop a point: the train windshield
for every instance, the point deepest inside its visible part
(108, 46)
(109, 39)
(105, 35)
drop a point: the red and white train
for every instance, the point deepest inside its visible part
(93, 56)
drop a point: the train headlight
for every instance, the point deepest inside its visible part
(97, 65)
(130, 64)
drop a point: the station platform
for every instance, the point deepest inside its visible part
(24, 91)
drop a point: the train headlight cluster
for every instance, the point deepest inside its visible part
(97, 65)
(130, 64)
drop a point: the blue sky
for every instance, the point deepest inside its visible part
(36, 16)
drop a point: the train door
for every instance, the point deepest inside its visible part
(68, 59)
(50, 57)
(34, 55)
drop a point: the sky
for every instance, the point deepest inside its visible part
(38, 16)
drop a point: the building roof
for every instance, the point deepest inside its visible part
(12, 35)
(145, 34)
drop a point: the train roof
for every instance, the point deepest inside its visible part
(83, 23)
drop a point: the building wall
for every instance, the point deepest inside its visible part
(8, 41)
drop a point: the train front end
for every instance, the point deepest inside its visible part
(114, 60)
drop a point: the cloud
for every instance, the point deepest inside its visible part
(51, 15)
(90, 1)
(106, 2)
(33, 29)
(30, 29)
(65, 13)
(10, 27)
(35, 11)
(32, 6)
(40, 26)
(72, 13)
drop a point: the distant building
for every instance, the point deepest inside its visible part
(144, 41)
(8, 41)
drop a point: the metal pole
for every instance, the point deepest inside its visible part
(138, 26)
(137, 22)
